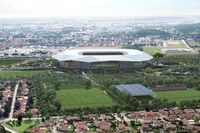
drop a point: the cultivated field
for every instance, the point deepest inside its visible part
(15, 74)
(78, 96)
(152, 50)
(174, 44)
(179, 95)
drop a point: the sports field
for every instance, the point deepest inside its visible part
(179, 95)
(15, 74)
(78, 96)
(174, 44)
(152, 50)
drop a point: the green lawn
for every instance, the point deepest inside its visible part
(152, 50)
(179, 95)
(10, 61)
(14, 74)
(78, 96)
(24, 125)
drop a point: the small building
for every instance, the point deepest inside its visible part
(169, 87)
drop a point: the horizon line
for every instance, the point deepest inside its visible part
(113, 16)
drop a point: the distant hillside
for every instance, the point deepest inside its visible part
(189, 29)
(148, 32)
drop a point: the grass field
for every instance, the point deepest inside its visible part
(10, 61)
(179, 95)
(15, 74)
(78, 96)
(24, 125)
(152, 50)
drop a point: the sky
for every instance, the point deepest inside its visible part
(65, 8)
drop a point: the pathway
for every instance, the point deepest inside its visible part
(88, 78)
(13, 101)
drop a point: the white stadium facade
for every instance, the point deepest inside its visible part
(91, 59)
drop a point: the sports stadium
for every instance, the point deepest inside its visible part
(94, 59)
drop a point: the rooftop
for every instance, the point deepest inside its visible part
(135, 89)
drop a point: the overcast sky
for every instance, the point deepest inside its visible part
(64, 8)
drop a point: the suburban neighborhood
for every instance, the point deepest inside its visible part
(164, 120)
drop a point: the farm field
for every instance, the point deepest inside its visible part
(15, 74)
(152, 50)
(179, 95)
(78, 96)
(10, 61)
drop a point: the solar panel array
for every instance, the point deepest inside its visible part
(135, 89)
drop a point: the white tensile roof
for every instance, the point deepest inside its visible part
(128, 55)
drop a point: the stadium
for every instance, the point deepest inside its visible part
(94, 59)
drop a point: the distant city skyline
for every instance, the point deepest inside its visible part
(67, 8)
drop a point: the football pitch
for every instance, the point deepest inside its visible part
(174, 44)
(179, 95)
(79, 97)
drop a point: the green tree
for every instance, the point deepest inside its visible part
(1, 95)
(158, 55)
(30, 101)
(43, 120)
(88, 84)
(198, 87)
(148, 70)
(17, 105)
(113, 125)
(7, 108)
(29, 115)
(58, 105)
(51, 95)
(19, 119)
(57, 86)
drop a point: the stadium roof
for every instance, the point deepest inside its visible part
(135, 89)
(102, 55)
